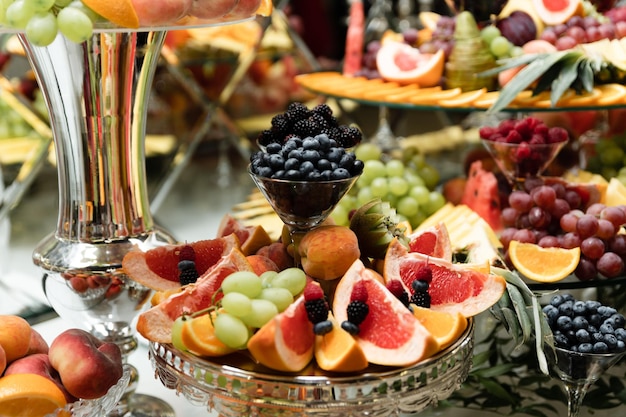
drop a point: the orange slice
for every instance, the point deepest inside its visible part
(543, 264)
(611, 94)
(585, 99)
(198, 335)
(463, 99)
(23, 395)
(121, 12)
(445, 327)
(265, 8)
(486, 100)
(338, 351)
(433, 97)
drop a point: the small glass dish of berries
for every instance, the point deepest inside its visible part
(523, 148)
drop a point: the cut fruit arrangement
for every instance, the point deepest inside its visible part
(41, 21)
(534, 54)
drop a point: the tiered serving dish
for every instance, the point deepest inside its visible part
(236, 386)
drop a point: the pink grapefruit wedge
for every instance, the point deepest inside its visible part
(432, 241)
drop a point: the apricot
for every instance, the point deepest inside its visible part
(327, 252)
(261, 263)
(14, 336)
(278, 253)
(3, 360)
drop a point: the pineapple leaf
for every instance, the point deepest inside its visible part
(528, 75)
(567, 75)
(586, 74)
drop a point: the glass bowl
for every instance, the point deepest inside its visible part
(235, 385)
(100, 406)
(520, 161)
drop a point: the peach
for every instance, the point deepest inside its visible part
(88, 366)
(37, 343)
(39, 364)
(3, 360)
(277, 252)
(327, 252)
(261, 263)
(211, 9)
(14, 336)
(165, 12)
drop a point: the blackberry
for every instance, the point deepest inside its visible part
(281, 124)
(323, 110)
(297, 111)
(421, 299)
(188, 273)
(357, 311)
(348, 136)
(305, 127)
(318, 120)
(316, 310)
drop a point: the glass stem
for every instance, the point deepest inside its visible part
(575, 396)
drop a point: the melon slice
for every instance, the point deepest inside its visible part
(482, 195)
(390, 335)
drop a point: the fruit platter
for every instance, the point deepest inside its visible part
(513, 56)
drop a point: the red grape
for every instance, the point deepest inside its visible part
(570, 240)
(618, 244)
(610, 265)
(521, 201)
(509, 216)
(595, 209)
(587, 226)
(544, 197)
(606, 230)
(549, 242)
(524, 236)
(592, 247)
(539, 218)
(568, 222)
(615, 215)
(586, 270)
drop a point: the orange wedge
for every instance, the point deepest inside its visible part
(433, 97)
(486, 100)
(611, 94)
(445, 327)
(23, 395)
(120, 12)
(338, 351)
(464, 99)
(580, 100)
(265, 8)
(198, 336)
(543, 264)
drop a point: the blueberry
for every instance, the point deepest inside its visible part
(551, 312)
(340, 174)
(323, 327)
(292, 163)
(419, 285)
(350, 327)
(606, 312)
(611, 341)
(580, 322)
(621, 346)
(561, 340)
(583, 336)
(556, 300)
(306, 167)
(327, 175)
(335, 154)
(273, 148)
(592, 306)
(618, 320)
(347, 160)
(277, 162)
(567, 308)
(293, 175)
(564, 323)
(323, 140)
(580, 308)
(600, 347)
(264, 172)
(310, 155)
(607, 328)
(357, 167)
(620, 333)
(585, 348)
(295, 153)
(314, 176)
(597, 337)
(568, 297)
(324, 164)
(279, 175)
(595, 320)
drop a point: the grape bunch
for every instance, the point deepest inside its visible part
(407, 184)
(299, 121)
(442, 37)
(42, 20)
(499, 46)
(585, 326)
(249, 301)
(586, 29)
(556, 215)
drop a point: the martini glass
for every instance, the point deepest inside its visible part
(578, 371)
(302, 205)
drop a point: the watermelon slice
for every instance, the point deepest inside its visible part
(482, 195)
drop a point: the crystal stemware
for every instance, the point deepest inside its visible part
(578, 371)
(302, 205)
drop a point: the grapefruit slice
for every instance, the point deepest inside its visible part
(155, 324)
(157, 268)
(251, 238)
(286, 342)
(404, 64)
(432, 241)
(554, 12)
(390, 335)
(337, 351)
(462, 288)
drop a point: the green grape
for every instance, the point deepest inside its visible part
(500, 46)
(18, 14)
(237, 304)
(231, 330)
(292, 279)
(612, 157)
(63, 3)
(395, 168)
(420, 193)
(41, 5)
(367, 151)
(417, 219)
(42, 29)
(177, 330)
(398, 186)
(262, 311)
(267, 277)
(489, 33)
(516, 51)
(413, 179)
(281, 297)
(436, 200)
(379, 187)
(430, 175)
(374, 169)
(74, 24)
(365, 179)
(364, 195)
(244, 282)
(392, 199)
(418, 160)
(407, 206)
(340, 215)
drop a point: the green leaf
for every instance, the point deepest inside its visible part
(498, 391)
(562, 83)
(519, 305)
(494, 371)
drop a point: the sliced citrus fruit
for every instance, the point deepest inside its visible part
(455, 287)
(28, 395)
(611, 94)
(486, 100)
(121, 12)
(157, 268)
(285, 343)
(543, 264)
(198, 336)
(265, 8)
(389, 335)
(155, 324)
(554, 12)
(464, 99)
(337, 351)
(251, 238)
(432, 241)
(433, 97)
(587, 98)
(615, 193)
(404, 64)
(445, 327)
